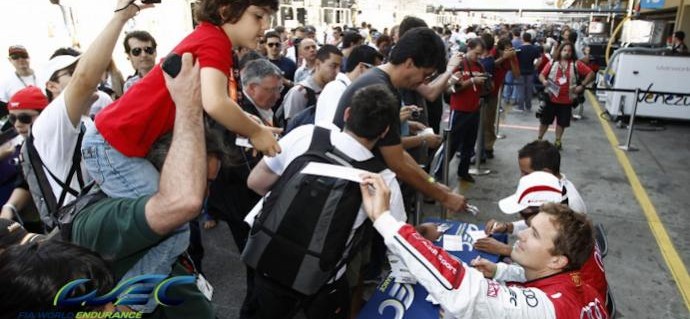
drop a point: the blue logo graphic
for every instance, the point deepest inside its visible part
(133, 291)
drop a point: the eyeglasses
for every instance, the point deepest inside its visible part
(430, 77)
(19, 56)
(58, 75)
(21, 117)
(148, 50)
(276, 89)
(273, 44)
(367, 65)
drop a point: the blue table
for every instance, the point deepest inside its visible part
(400, 301)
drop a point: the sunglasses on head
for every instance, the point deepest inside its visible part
(21, 117)
(274, 44)
(137, 51)
(19, 56)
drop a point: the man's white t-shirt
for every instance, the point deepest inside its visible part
(12, 83)
(103, 100)
(575, 201)
(55, 139)
(327, 103)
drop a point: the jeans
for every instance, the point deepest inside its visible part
(508, 87)
(120, 176)
(519, 92)
(526, 92)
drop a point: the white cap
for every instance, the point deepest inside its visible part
(534, 189)
(55, 64)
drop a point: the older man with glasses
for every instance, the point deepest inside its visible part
(140, 47)
(23, 76)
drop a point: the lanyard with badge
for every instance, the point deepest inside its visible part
(33, 79)
(201, 282)
(562, 80)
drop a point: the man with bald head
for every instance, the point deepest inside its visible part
(307, 50)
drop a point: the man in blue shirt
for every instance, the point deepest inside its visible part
(526, 56)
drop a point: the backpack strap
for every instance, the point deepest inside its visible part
(44, 185)
(321, 140)
(37, 166)
(67, 214)
(361, 236)
(311, 95)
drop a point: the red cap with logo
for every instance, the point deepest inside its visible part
(28, 98)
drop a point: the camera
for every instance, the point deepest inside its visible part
(415, 114)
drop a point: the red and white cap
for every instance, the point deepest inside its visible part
(534, 189)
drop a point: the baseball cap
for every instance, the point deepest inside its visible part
(56, 64)
(534, 189)
(28, 98)
(17, 49)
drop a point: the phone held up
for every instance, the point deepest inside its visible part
(172, 64)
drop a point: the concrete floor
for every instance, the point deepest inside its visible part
(636, 270)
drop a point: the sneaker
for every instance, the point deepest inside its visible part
(576, 117)
(467, 178)
(558, 145)
(517, 110)
(473, 160)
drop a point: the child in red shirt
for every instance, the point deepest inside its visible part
(125, 130)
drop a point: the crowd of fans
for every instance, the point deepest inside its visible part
(116, 182)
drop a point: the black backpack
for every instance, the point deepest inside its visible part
(300, 238)
(301, 118)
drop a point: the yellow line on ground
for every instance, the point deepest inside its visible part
(668, 251)
(524, 127)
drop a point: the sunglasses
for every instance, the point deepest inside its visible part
(21, 117)
(148, 50)
(19, 56)
(59, 75)
(274, 44)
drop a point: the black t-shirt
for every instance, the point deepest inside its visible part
(287, 66)
(373, 77)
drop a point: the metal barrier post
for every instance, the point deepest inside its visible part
(497, 123)
(417, 209)
(446, 158)
(479, 146)
(631, 125)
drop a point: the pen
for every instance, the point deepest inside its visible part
(476, 260)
